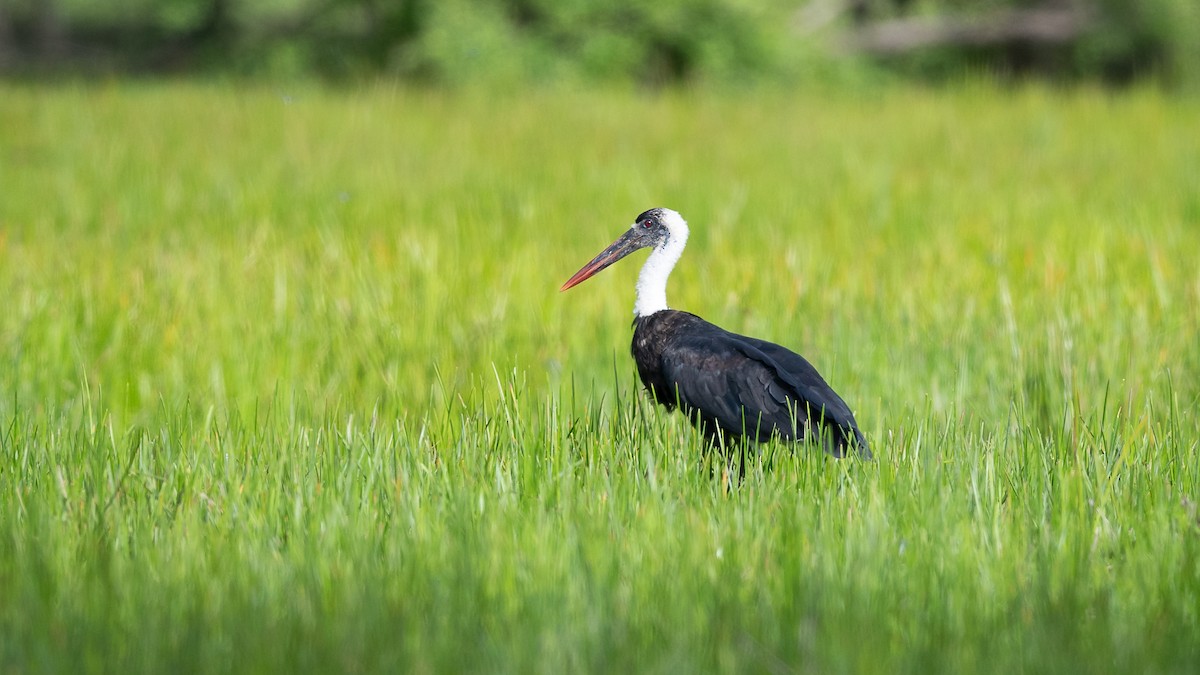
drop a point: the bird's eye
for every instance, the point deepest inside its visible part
(647, 224)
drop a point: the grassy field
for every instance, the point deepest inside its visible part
(286, 382)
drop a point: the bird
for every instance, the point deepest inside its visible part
(731, 387)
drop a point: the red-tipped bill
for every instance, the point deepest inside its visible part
(628, 243)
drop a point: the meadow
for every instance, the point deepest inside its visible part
(287, 384)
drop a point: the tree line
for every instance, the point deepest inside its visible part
(658, 41)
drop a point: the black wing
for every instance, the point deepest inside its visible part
(757, 388)
(808, 384)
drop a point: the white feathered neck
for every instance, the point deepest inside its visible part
(652, 280)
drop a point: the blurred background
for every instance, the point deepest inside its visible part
(287, 384)
(649, 42)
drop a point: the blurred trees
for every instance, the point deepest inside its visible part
(646, 40)
(1113, 40)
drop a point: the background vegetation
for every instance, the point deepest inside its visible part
(287, 383)
(509, 41)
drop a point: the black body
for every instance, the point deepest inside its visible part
(733, 386)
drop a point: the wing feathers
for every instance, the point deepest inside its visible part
(756, 388)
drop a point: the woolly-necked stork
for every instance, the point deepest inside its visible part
(730, 386)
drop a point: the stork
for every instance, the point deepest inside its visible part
(730, 386)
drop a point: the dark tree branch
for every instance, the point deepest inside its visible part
(899, 36)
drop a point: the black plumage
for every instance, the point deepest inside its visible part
(731, 386)
(736, 386)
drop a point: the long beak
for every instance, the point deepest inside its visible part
(626, 244)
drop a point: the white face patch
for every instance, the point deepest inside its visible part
(674, 223)
(672, 219)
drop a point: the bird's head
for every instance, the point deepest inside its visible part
(651, 229)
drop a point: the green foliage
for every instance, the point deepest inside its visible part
(517, 42)
(446, 41)
(632, 40)
(1160, 37)
(286, 383)
(1119, 42)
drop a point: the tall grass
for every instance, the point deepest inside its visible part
(287, 383)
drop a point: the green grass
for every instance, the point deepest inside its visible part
(286, 383)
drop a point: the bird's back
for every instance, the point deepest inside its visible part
(740, 385)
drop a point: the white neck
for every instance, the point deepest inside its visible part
(652, 281)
